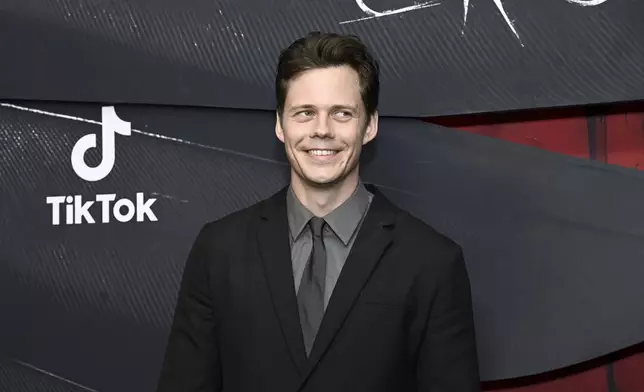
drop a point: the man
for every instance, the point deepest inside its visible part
(326, 285)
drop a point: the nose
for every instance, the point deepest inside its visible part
(323, 129)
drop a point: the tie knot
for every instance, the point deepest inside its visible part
(316, 226)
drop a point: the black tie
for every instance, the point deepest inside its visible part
(310, 295)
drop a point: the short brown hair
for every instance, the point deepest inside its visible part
(322, 50)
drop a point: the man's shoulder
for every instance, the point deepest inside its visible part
(240, 220)
(425, 247)
(423, 236)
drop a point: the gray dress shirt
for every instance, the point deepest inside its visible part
(340, 232)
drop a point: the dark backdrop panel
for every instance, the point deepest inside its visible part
(450, 57)
(18, 377)
(554, 245)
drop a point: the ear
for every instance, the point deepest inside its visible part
(279, 132)
(372, 129)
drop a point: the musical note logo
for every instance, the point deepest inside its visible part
(111, 124)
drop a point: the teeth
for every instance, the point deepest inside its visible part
(322, 152)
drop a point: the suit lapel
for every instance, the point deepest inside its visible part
(272, 238)
(375, 235)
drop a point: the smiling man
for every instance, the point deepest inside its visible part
(326, 285)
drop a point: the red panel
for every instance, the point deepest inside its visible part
(615, 137)
(590, 381)
(629, 374)
(625, 140)
(565, 133)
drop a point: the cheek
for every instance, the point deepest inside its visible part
(354, 142)
(295, 133)
(290, 141)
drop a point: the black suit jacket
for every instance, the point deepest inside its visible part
(399, 319)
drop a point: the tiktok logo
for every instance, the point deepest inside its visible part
(111, 125)
(76, 209)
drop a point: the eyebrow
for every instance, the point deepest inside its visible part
(332, 107)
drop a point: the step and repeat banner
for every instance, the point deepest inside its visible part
(91, 258)
(126, 125)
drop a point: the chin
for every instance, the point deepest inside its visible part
(321, 181)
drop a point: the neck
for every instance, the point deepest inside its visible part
(322, 200)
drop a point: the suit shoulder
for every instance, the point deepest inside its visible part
(232, 224)
(421, 236)
(435, 255)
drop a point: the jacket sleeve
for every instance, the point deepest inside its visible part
(447, 357)
(191, 362)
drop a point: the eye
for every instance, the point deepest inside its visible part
(304, 113)
(343, 114)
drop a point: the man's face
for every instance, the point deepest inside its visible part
(324, 125)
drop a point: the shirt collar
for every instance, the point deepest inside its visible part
(344, 220)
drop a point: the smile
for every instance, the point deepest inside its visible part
(321, 153)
